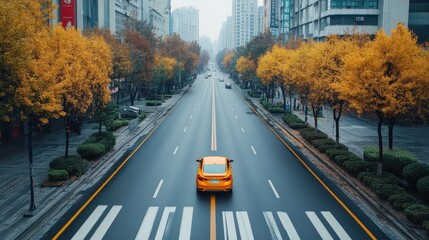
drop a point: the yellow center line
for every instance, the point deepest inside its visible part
(214, 144)
(212, 217)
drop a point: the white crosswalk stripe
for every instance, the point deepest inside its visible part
(288, 226)
(243, 222)
(336, 226)
(108, 220)
(272, 225)
(186, 224)
(165, 223)
(323, 232)
(147, 224)
(89, 223)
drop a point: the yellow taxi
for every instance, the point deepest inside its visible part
(214, 173)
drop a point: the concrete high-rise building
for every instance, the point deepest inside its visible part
(206, 44)
(225, 35)
(186, 23)
(245, 21)
(317, 19)
(260, 19)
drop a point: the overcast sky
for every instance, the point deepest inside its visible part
(212, 14)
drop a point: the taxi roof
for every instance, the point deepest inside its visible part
(214, 160)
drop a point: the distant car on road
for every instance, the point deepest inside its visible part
(214, 173)
(221, 80)
(228, 85)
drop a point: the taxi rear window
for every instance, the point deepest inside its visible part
(214, 168)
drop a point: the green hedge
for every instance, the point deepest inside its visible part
(417, 213)
(142, 116)
(153, 103)
(370, 178)
(350, 157)
(91, 151)
(312, 135)
(74, 165)
(293, 121)
(356, 167)
(321, 142)
(107, 139)
(55, 175)
(275, 109)
(394, 160)
(414, 171)
(117, 124)
(423, 187)
(401, 201)
(384, 191)
(333, 152)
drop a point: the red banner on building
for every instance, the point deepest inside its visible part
(67, 8)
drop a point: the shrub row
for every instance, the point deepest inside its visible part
(56, 175)
(74, 165)
(153, 103)
(117, 124)
(96, 145)
(293, 121)
(394, 160)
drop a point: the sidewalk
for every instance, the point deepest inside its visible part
(357, 133)
(14, 176)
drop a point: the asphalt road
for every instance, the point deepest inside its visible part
(275, 195)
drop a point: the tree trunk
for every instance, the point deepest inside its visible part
(314, 109)
(282, 88)
(305, 111)
(67, 123)
(99, 128)
(290, 102)
(380, 146)
(391, 123)
(30, 159)
(337, 126)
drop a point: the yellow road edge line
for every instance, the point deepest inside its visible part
(212, 217)
(70, 221)
(371, 235)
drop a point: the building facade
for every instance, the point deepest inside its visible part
(316, 19)
(244, 20)
(186, 23)
(225, 35)
(111, 14)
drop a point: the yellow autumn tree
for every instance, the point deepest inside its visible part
(385, 78)
(246, 68)
(335, 49)
(98, 73)
(301, 71)
(163, 71)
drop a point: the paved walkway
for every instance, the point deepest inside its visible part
(358, 133)
(14, 176)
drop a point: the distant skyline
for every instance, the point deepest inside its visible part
(212, 14)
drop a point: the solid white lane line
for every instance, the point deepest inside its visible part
(147, 224)
(186, 225)
(288, 226)
(158, 188)
(274, 189)
(236, 117)
(230, 231)
(274, 230)
(323, 232)
(244, 225)
(253, 149)
(342, 234)
(166, 221)
(184, 130)
(105, 224)
(89, 223)
(175, 150)
(242, 129)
